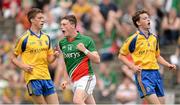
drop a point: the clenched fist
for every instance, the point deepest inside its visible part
(81, 47)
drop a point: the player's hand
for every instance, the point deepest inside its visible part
(64, 85)
(172, 67)
(56, 54)
(81, 47)
(56, 51)
(27, 68)
(136, 68)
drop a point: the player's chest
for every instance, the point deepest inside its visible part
(34, 43)
(68, 47)
(146, 43)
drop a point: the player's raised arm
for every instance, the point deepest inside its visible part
(93, 56)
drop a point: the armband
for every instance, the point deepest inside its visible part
(86, 52)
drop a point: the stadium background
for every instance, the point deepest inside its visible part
(109, 23)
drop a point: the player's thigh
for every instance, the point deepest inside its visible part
(79, 96)
(90, 100)
(38, 99)
(162, 100)
(52, 99)
(86, 83)
(152, 99)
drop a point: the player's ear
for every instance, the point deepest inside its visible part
(138, 23)
(31, 20)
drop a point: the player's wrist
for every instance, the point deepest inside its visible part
(86, 51)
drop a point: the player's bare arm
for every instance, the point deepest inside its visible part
(93, 56)
(162, 61)
(66, 80)
(25, 67)
(52, 58)
(133, 67)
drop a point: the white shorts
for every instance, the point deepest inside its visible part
(86, 83)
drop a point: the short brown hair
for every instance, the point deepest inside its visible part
(136, 16)
(71, 18)
(33, 12)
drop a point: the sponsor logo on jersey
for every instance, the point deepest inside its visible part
(71, 55)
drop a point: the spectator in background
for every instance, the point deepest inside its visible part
(82, 10)
(40, 3)
(106, 82)
(22, 20)
(175, 59)
(110, 13)
(126, 92)
(52, 29)
(126, 70)
(178, 55)
(170, 27)
(12, 93)
(63, 8)
(1, 8)
(10, 8)
(96, 20)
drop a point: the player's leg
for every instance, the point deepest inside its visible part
(83, 88)
(162, 100)
(35, 91)
(149, 88)
(79, 96)
(90, 100)
(160, 89)
(52, 99)
(49, 92)
(152, 99)
(38, 99)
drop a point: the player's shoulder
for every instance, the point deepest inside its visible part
(85, 37)
(155, 35)
(62, 40)
(45, 34)
(23, 35)
(131, 37)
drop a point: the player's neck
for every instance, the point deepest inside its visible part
(144, 31)
(72, 36)
(35, 30)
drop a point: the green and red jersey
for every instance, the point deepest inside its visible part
(77, 63)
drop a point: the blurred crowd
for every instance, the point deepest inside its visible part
(108, 22)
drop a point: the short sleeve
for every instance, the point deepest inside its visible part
(157, 50)
(91, 46)
(18, 49)
(50, 50)
(124, 50)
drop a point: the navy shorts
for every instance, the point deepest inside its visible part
(41, 87)
(149, 82)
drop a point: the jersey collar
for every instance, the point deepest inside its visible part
(141, 33)
(32, 33)
(78, 35)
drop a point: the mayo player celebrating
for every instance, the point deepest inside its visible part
(78, 50)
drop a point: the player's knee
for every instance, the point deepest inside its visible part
(77, 101)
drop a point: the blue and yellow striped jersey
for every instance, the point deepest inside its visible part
(34, 51)
(144, 51)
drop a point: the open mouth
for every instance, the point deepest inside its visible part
(63, 31)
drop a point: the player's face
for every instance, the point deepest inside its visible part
(38, 21)
(144, 21)
(66, 27)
